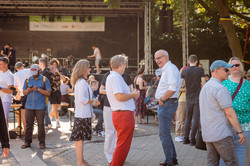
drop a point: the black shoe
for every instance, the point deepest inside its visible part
(175, 161)
(186, 141)
(192, 143)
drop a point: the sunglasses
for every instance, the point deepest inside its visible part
(236, 65)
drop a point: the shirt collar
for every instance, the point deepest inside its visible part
(215, 79)
(39, 77)
(166, 66)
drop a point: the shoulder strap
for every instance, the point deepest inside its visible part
(152, 92)
(27, 80)
(44, 81)
(238, 88)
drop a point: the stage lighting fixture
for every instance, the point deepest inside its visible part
(51, 18)
(89, 18)
(43, 18)
(58, 18)
(74, 18)
(82, 19)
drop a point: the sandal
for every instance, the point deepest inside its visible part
(42, 146)
(25, 145)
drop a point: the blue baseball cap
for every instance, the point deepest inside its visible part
(220, 64)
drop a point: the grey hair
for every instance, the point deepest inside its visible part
(117, 60)
(162, 52)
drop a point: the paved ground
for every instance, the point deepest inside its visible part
(145, 150)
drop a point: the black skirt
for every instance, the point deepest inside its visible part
(81, 130)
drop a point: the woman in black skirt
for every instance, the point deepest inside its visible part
(83, 108)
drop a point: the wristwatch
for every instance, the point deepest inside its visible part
(160, 99)
(38, 89)
(239, 132)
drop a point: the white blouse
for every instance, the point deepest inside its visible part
(83, 94)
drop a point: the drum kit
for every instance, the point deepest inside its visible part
(34, 59)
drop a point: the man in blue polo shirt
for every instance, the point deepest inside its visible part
(36, 90)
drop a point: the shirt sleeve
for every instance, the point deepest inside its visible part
(83, 92)
(202, 72)
(117, 86)
(25, 85)
(173, 80)
(224, 98)
(10, 80)
(183, 73)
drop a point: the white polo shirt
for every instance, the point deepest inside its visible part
(170, 80)
(19, 79)
(116, 84)
(82, 93)
(6, 79)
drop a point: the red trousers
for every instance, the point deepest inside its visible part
(124, 124)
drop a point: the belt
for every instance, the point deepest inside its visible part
(172, 99)
(121, 110)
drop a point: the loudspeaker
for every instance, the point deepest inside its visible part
(166, 21)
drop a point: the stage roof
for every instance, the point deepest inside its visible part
(69, 8)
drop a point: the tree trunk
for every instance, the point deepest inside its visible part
(234, 43)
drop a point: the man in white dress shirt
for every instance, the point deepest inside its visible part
(167, 94)
(123, 106)
(19, 80)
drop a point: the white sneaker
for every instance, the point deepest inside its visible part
(58, 124)
(178, 139)
(95, 133)
(101, 134)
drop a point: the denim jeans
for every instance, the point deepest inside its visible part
(192, 112)
(165, 114)
(225, 148)
(240, 149)
(47, 119)
(99, 113)
(30, 117)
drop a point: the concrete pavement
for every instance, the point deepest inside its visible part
(145, 150)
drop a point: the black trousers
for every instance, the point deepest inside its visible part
(30, 116)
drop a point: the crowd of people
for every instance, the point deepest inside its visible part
(220, 106)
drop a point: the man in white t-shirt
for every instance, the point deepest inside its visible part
(19, 80)
(123, 106)
(98, 57)
(6, 85)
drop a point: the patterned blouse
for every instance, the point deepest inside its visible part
(55, 82)
(241, 102)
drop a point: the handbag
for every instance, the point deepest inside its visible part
(148, 98)
(199, 143)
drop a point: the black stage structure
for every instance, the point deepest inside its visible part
(124, 29)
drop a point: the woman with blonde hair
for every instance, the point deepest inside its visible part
(83, 108)
(241, 103)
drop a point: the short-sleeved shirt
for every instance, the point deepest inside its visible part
(19, 79)
(5, 51)
(116, 84)
(241, 102)
(192, 76)
(170, 80)
(6, 79)
(214, 98)
(126, 78)
(55, 81)
(35, 99)
(45, 73)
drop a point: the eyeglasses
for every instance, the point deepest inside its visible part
(158, 58)
(236, 65)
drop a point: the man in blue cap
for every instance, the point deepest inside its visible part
(218, 119)
(36, 90)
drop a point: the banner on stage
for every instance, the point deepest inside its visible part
(96, 24)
